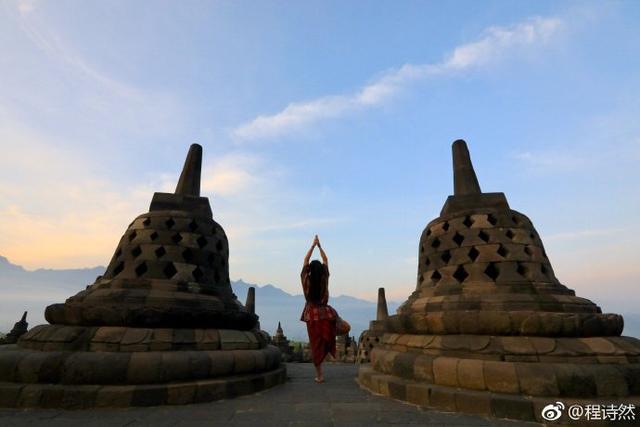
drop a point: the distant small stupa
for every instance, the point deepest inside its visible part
(161, 326)
(489, 329)
(281, 341)
(19, 329)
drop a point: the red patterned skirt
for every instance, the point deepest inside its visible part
(322, 337)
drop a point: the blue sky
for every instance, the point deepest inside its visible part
(333, 118)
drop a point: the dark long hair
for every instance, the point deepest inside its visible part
(317, 273)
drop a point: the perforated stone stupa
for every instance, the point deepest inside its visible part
(161, 326)
(489, 329)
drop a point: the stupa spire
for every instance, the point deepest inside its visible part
(382, 313)
(465, 181)
(187, 195)
(466, 190)
(250, 303)
(189, 182)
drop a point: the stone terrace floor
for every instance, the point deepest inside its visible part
(299, 402)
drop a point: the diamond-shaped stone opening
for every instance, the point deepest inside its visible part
(532, 235)
(428, 232)
(187, 255)
(197, 274)
(515, 220)
(473, 253)
(492, 271)
(141, 269)
(510, 234)
(445, 226)
(458, 238)
(483, 236)
(132, 235)
(421, 249)
(427, 262)
(153, 236)
(491, 219)
(460, 274)
(146, 222)
(421, 278)
(193, 226)
(446, 257)
(136, 251)
(160, 252)
(544, 270)
(522, 270)
(219, 246)
(502, 251)
(435, 243)
(170, 223)
(118, 268)
(436, 276)
(118, 252)
(202, 242)
(176, 238)
(169, 271)
(468, 222)
(211, 259)
(528, 250)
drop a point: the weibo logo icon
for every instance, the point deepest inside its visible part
(552, 411)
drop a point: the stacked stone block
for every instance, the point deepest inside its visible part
(489, 329)
(161, 326)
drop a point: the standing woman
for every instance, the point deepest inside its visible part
(319, 316)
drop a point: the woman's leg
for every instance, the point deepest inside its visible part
(319, 377)
(318, 347)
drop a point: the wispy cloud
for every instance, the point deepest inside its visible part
(231, 175)
(495, 43)
(52, 80)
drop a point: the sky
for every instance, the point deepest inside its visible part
(333, 118)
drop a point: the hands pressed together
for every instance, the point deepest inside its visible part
(316, 242)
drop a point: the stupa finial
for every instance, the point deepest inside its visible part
(189, 183)
(250, 303)
(382, 312)
(24, 317)
(465, 181)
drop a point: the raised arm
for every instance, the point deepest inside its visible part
(325, 260)
(307, 257)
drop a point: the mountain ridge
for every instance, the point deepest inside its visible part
(33, 290)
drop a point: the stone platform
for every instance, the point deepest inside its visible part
(298, 402)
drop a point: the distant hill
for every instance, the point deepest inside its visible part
(21, 290)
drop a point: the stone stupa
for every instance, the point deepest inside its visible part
(161, 326)
(489, 329)
(18, 330)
